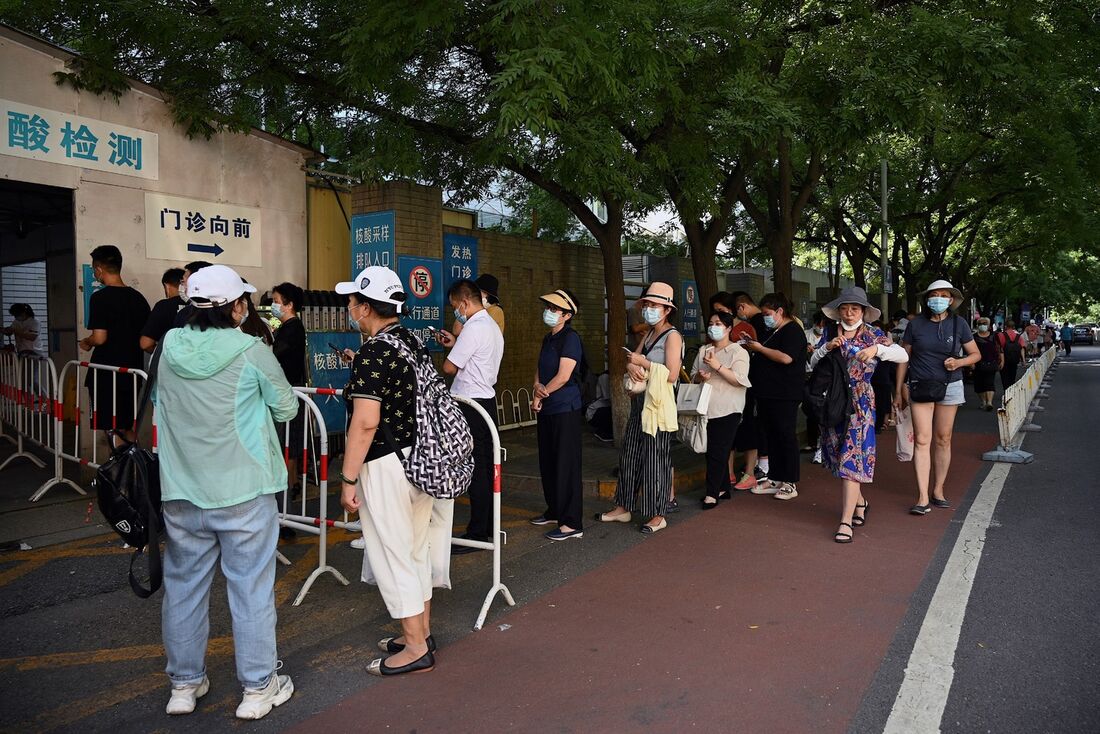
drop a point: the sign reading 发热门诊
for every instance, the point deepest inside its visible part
(372, 240)
(59, 137)
(184, 230)
(423, 280)
(459, 257)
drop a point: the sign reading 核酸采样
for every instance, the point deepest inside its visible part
(70, 140)
(184, 230)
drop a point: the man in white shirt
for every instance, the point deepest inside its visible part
(474, 361)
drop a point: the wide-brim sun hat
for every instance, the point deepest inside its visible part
(957, 298)
(857, 296)
(562, 300)
(660, 294)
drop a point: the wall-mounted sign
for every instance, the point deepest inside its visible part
(326, 369)
(690, 308)
(423, 279)
(459, 257)
(71, 140)
(90, 286)
(372, 240)
(184, 230)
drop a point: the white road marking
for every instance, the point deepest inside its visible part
(919, 707)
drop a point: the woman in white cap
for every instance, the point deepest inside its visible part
(221, 466)
(931, 382)
(645, 464)
(848, 450)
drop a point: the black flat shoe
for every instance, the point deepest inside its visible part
(919, 510)
(940, 503)
(708, 505)
(724, 495)
(390, 645)
(839, 537)
(861, 521)
(422, 664)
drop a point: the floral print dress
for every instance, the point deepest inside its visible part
(849, 452)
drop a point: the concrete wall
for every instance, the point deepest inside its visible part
(109, 208)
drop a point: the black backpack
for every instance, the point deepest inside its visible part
(828, 397)
(127, 486)
(1013, 349)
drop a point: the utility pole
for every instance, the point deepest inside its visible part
(887, 284)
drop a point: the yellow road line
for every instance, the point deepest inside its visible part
(6, 577)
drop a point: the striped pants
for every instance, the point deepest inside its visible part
(645, 467)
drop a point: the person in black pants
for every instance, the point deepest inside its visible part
(724, 365)
(778, 375)
(558, 405)
(289, 347)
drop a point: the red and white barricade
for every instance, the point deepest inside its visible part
(83, 448)
(313, 428)
(34, 399)
(9, 391)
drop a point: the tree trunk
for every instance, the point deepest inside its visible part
(610, 237)
(781, 246)
(702, 261)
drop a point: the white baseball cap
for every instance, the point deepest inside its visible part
(376, 283)
(217, 285)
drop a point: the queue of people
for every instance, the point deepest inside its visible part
(226, 391)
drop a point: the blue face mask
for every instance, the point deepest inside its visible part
(769, 321)
(938, 304)
(459, 317)
(652, 315)
(277, 310)
(550, 318)
(716, 333)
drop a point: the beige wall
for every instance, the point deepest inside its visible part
(248, 170)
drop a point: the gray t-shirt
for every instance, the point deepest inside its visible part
(933, 342)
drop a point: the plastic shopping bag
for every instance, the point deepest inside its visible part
(905, 434)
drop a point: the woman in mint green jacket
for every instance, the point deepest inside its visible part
(221, 466)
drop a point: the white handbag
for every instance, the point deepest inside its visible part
(635, 387)
(693, 399)
(693, 432)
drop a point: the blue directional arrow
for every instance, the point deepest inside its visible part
(214, 249)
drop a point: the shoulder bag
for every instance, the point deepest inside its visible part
(933, 391)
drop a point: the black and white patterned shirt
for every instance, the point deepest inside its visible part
(379, 372)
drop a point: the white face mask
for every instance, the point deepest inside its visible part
(652, 315)
(550, 318)
(716, 333)
(852, 327)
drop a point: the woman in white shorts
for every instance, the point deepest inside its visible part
(932, 383)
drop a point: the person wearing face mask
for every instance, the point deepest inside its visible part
(934, 341)
(185, 312)
(488, 286)
(217, 396)
(750, 440)
(557, 403)
(849, 450)
(724, 365)
(778, 374)
(473, 362)
(991, 362)
(289, 347)
(164, 311)
(645, 464)
(116, 315)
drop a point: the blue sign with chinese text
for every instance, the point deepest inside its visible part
(423, 279)
(372, 240)
(689, 308)
(459, 257)
(326, 369)
(91, 285)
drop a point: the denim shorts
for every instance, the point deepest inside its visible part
(954, 395)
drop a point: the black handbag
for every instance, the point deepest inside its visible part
(127, 486)
(933, 391)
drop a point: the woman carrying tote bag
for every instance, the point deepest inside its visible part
(724, 366)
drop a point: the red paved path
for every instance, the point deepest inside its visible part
(747, 618)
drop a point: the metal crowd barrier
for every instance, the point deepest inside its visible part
(514, 409)
(1017, 409)
(9, 392)
(96, 422)
(30, 387)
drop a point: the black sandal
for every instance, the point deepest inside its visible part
(839, 537)
(861, 521)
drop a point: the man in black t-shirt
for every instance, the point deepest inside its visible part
(750, 438)
(395, 515)
(116, 315)
(164, 312)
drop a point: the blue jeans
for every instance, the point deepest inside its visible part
(244, 536)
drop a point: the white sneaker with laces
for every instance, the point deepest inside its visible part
(786, 491)
(185, 697)
(257, 703)
(765, 486)
(359, 543)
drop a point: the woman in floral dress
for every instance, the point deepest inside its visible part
(849, 450)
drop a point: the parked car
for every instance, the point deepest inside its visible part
(1084, 334)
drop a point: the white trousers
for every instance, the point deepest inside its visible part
(396, 517)
(439, 541)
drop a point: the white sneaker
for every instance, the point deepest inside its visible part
(359, 543)
(185, 697)
(817, 457)
(257, 703)
(786, 491)
(766, 486)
